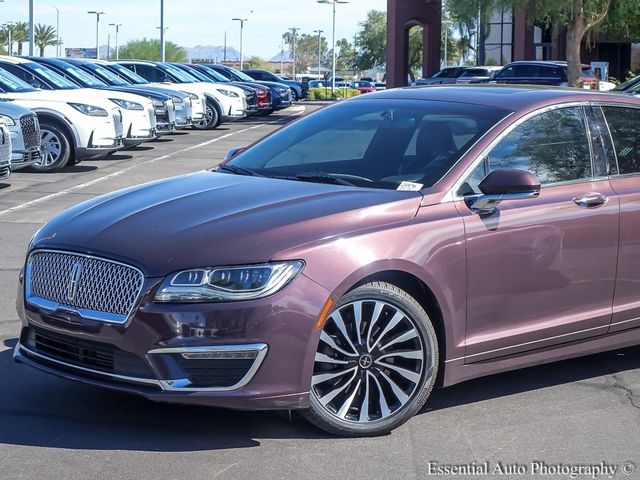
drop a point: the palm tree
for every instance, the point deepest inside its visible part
(20, 34)
(44, 36)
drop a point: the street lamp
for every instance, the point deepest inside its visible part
(294, 31)
(117, 25)
(9, 27)
(162, 30)
(241, 20)
(57, 31)
(97, 14)
(333, 74)
(319, 32)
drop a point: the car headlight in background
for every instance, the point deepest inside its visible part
(7, 119)
(159, 106)
(226, 284)
(193, 96)
(229, 93)
(90, 110)
(176, 100)
(126, 104)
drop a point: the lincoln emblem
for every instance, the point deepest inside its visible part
(74, 280)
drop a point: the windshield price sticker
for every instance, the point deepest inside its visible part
(410, 187)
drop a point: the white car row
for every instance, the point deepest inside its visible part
(48, 120)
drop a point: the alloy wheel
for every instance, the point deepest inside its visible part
(51, 148)
(370, 362)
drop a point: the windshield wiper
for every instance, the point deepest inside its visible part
(322, 177)
(238, 170)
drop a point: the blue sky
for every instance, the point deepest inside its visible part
(193, 22)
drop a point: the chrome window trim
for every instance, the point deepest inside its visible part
(145, 381)
(183, 384)
(452, 195)
(52, 307)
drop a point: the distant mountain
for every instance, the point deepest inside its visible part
(215, 53)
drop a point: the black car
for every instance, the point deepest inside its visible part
(446, 75)
(553, 73)
(298, 91)
(629, 86)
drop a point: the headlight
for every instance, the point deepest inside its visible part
(7, 119)
(126, 104)
(89, 110)
(176, 100)
(159, 107)
(229, 93)
(227, 284)
(193, 96)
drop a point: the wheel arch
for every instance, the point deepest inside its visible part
(62, 123)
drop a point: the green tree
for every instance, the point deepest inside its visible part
(149, 49)
(44, 36)
(306, 50)
(371, 41)
(256, 63)
(345, 56)
(20, 34)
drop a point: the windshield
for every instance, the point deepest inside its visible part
(128, 74)
(198, 75)
(374, 143)
(183, 77)
(218, 77)
(51, 77)
(107, 75)
(83, 77)
(241, 75)
(11, 83)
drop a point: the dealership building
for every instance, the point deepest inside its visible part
(506, 36)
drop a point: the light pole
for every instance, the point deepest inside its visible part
(294, 32)
(31, 28)
(319, 32)
(241, 20)
(117, 25)
(333, 73)
(97, 14)
(57, 31)
(9, 26)
(162, 30)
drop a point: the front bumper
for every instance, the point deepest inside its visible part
(24, 158)
(279, 330)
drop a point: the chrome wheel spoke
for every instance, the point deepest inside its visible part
(331, 342)
(357, 315)
(411, 334)
(382, 402)
(395, 320)
(346, 406)
(322, 358)
(364, 408)
(411, 355)
(397, 391)
(335, 392)
(323, 377)
(408, 374)
(339, 322)
(377, 310)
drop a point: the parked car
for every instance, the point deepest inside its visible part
(163, 107)
(363, 87)
(73, 128)
(552, 73)
(5, 151)
(444, 76)
(24, 131)
(477, 74)
(251, 96)
(298, 92)
(137, 112)
(630, 84)
(189, 106)
(263, 93)
(280, 93)
(223, 104)
(354, 260)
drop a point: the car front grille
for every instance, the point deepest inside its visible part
(5, 172)
(117, 122)
(85, 353)
(30, 130)
(220, 373)
(93, 287)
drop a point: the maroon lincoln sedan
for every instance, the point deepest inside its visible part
(350, 262)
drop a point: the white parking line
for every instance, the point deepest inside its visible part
(124, 170)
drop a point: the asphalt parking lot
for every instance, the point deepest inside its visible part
(583, 411)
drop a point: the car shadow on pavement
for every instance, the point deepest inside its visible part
(43, 410)
(79, 168)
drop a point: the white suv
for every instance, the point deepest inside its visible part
(5, 151)
(138, 113)
(71, 129)
(224, 102)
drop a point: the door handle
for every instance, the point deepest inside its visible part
(590, 200)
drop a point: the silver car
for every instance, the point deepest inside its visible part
(24, 132)
(5, 151)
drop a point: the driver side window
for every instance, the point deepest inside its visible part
(553, 146)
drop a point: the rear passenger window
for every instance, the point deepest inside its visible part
(553, 146)
(624, 124)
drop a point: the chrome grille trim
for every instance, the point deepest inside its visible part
(30, 131)
(103, 289)
(117, 122)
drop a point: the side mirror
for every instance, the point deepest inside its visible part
(234, 152)
(500, 185)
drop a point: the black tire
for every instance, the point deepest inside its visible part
(211, 118)
(56, 148)
(294, 95)
(420, 363)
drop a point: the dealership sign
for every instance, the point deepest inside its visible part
(81, 52)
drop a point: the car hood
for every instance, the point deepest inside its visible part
(209, 218)
(61, 96)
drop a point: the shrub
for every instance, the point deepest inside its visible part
(325, 93)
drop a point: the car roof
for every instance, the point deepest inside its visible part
(12, 59)
(510, 97)
(559, 63)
